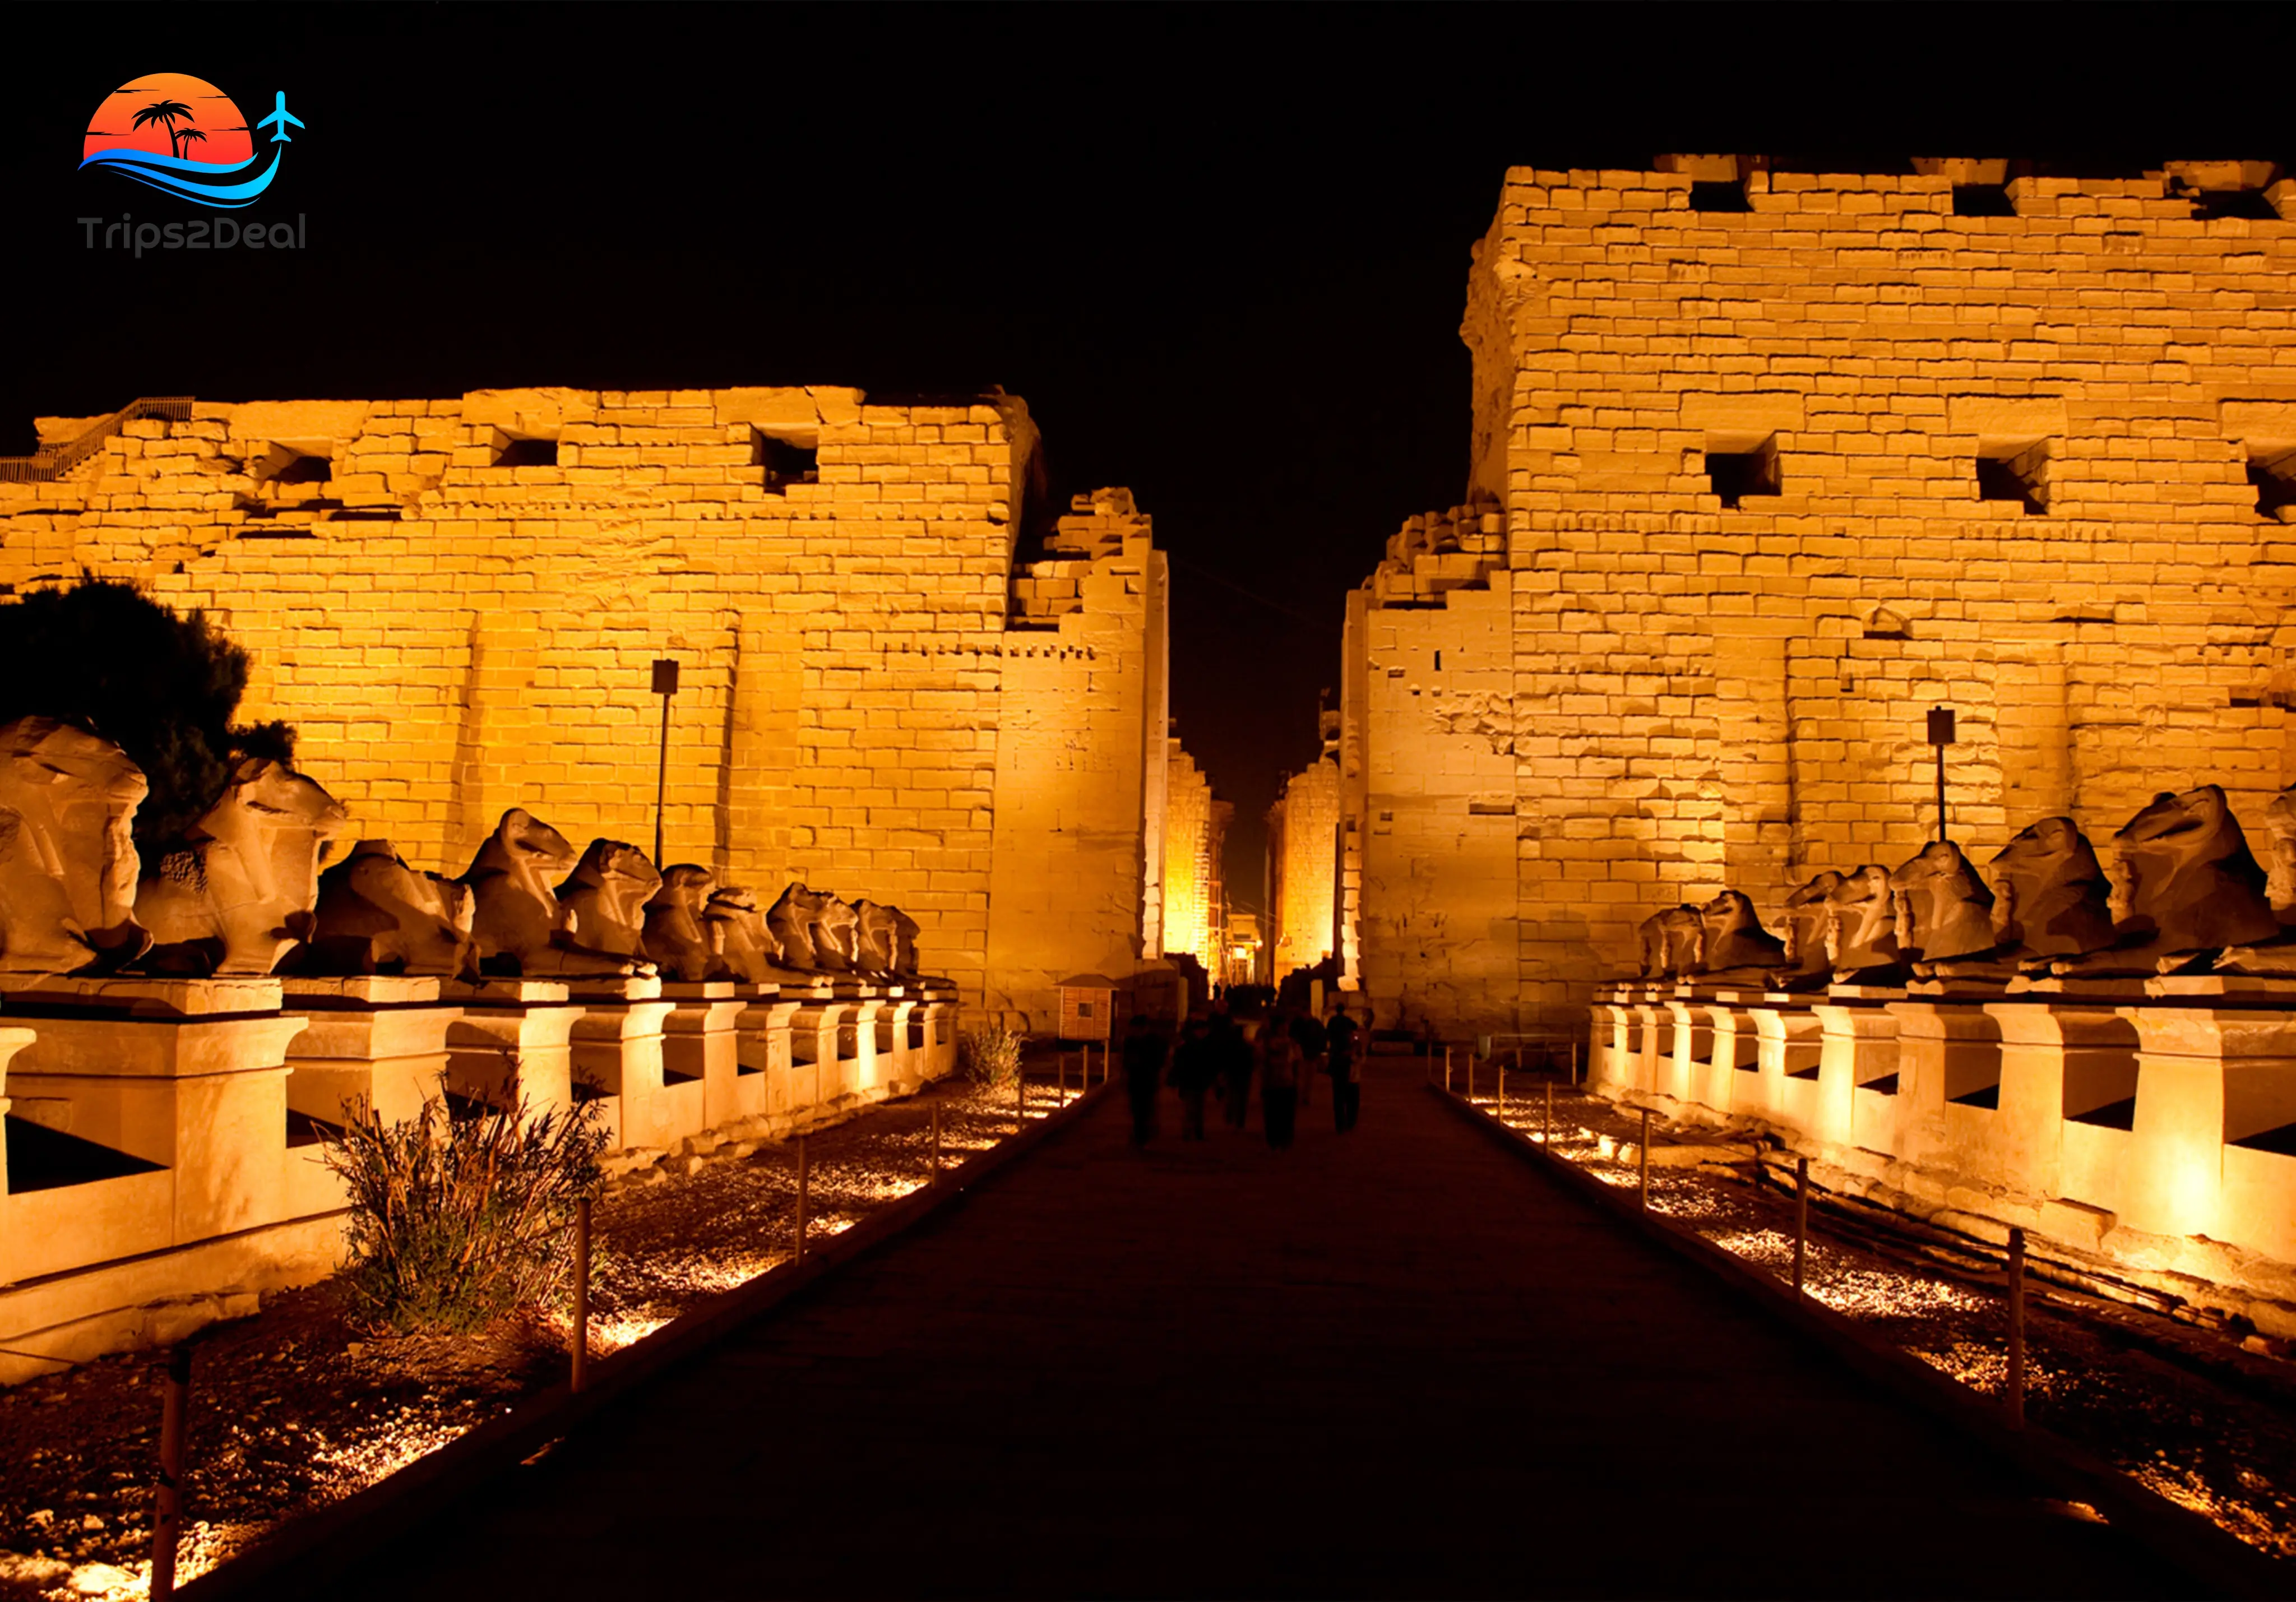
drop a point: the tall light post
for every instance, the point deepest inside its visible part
(665, 684)
(1940, 736)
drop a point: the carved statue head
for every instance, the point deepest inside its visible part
(1734, 937)
(607, 893)
(2192, 884)
(1863, 927)
(2054, 899)
(798, 923)
(1670, 941)
(876, 938)
(377, 916)
(738, 934)
(67, 863)
(520, 924)
(236, 894)
(675, 938)
(1949, 910)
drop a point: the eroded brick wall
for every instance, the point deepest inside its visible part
(1705, 695)
(453, 633)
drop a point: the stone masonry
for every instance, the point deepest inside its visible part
(1764, 465)
(455, 602)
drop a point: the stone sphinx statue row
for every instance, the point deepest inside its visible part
(2187, 896)
(243, 896)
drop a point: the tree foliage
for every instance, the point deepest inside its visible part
(110, 658)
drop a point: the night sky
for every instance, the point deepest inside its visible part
(1221, 252)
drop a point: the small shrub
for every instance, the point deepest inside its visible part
(991, 1055)
(457, 1221)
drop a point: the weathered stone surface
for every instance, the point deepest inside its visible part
(237, 895)
(376, 914)
(68, 864)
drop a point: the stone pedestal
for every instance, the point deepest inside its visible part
(939, 1016)
(1653, 1043)
(700, 1043)
(2212, 1071)
(198, 1090)
(820, 1051)
(1610, 1039)
(1683, 1070)
(512, 1040)
(1857, 1045)
(1731, 1084)
(1789, 1044)
(2068, 1097)
(617, 1047)
(375, 1038)
(1942, 1110)
(13, 1040)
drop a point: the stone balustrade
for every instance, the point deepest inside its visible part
(2148, 1122)
(164, 1163)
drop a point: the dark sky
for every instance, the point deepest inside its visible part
(1221, 251)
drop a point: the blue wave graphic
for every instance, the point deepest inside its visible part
(175, 176)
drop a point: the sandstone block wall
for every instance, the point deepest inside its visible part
(1303, 847)
(456, 601)
(1704, 695)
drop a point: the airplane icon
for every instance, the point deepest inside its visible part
(282, 116)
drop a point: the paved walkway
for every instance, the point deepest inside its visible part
(1396, 1363)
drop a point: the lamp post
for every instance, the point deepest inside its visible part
(665, 684)
(1940, 736)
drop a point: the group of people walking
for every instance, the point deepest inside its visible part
(1289, 1049)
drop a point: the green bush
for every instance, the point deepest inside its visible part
(991, 1056)
(456, 1220)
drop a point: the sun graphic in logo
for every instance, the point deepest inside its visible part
(182, 135)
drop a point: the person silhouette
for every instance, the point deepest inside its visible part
(1143, 1068)
(1279, 1079)
(1346, 1069)
(1193, 1069)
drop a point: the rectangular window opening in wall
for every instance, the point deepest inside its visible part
(1738, 465)
(2272, 474)
(1721, 194)
(1982, 199)
(786, 461)
(520, 450)
(2015, 471)
(296, 464)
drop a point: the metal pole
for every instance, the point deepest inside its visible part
(1546, 1136)
(1802, 1218)
(1501, 1096)
(2016, 1396)
(581, 1294)
(1447, 1067)
(936, 1140)
(661, 781)
(1644, 1201)
(1940, 777)
(1574, 1064)
(167, 1527)
(803, 1182)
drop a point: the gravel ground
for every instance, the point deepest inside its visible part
(302, 1405)
(2183, 1409)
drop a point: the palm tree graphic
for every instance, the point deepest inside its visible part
(189, 135)
(166, 112)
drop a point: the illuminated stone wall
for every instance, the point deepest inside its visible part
(1303, 839)
(872, 701)
(1193, 836)
(1693, 695)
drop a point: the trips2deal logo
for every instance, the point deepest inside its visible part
(186, 138)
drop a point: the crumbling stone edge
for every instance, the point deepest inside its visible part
(2220, 1561)
(307, 1554)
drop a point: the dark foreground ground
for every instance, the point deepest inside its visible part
(1394, 1363)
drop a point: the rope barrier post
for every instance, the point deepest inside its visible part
(1645, 1153)
(2016, 1387)
(168, 1525)
(1546, 1134)
(936, 1140)
(581, 1333)
(1574, 1064)
(1501, 1096)
(1801, 1218)
(804, 1181)
(1447, 1067)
